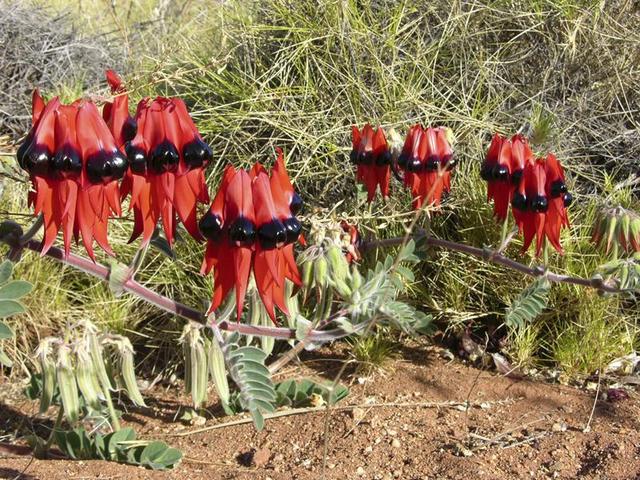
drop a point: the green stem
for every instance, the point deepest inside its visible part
(115, 422)
(56, 427)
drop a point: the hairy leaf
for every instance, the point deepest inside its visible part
(529, 304)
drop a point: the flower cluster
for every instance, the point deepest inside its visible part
(251, 225)
(535, 187)
(166, 177)
(76, 157)
(74, 164)
(372, 158)
(426, 159)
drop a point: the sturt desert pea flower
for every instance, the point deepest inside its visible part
(74, 165)
(503, 169)
(372, 158)
(116, 113)
(166, 177)
(277, 230)
(251, 224)
(427, 160)
(540, 201)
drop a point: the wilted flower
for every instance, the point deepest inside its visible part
(74, 164)
(166, 176)
(371, 155)
(427, 160)
(251, 224)
(350, 241)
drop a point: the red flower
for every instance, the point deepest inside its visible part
(503, 169)
(116, 113)
(251, 224)
(229, 226)
(371, 155)
(540, 201)
(427, 159)
(74, 165)
(352, 241)
(559, 200)
(166, 177)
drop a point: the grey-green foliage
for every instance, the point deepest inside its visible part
(11, 291)
(120, 446)
(246, 366)
(297, 394)
(624, 272)
(378, 295)
(529, 303)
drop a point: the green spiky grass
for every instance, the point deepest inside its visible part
(297, 74)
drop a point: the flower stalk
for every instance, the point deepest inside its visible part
(131, 286)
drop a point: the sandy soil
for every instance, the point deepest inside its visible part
(410, 423)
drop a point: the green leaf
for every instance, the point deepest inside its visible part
(15, 289)
(5, 331)
(6, 268)
(529, 304)
(247, 369)
(10, 307)
(159, 456)
(4, 360)
(113, 440)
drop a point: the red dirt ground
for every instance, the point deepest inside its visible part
(410, 423)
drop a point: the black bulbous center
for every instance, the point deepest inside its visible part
(516, 177)
(21, 154)
(272, 234)
(539, 204)
(402, 160)
(353, 157)
(293, 229)
(500, 173)
(164, 158)
(384, 158)
(414, 165)
(296, 203)
(450, 161)
(119, 165)
(37, 160)
(365, 158)
(432, 164)
(137, 159)
(519, 201)
(242, 232)
(105, 167)
(486, 172)
(211, 226)
(567, 199)
(66, 162)
(129, 129)
(558, 188)
(197, 154)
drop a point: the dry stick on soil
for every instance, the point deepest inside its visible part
(587, 427)
(302, 411)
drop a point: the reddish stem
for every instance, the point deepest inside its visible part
(494, 256)
(100, 271)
